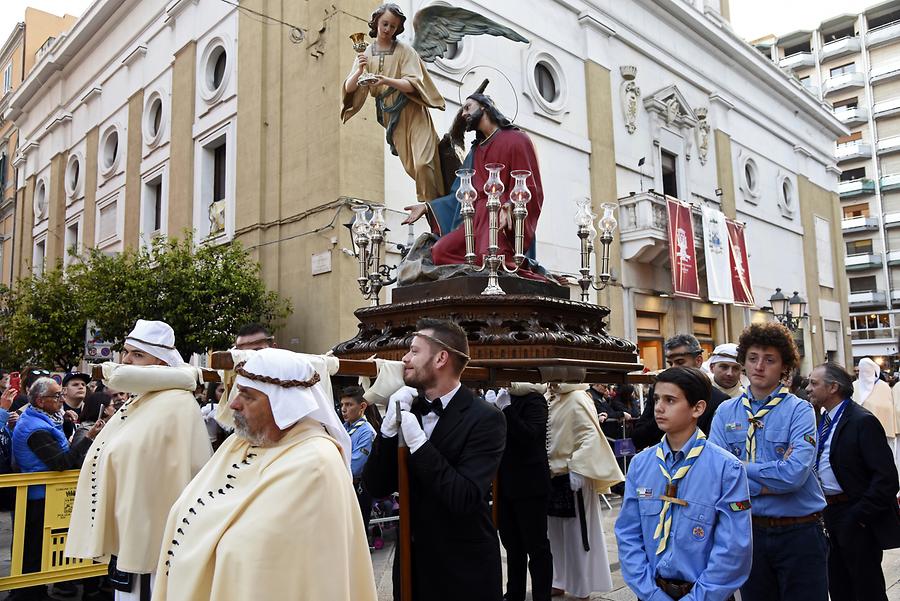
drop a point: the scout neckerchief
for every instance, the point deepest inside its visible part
(679, 471)
(825, 430)
(756, 419)
(355, 426)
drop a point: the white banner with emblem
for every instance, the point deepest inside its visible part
(715, 246)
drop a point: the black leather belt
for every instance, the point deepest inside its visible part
(768, 522)
(674, 588)
(838, 498)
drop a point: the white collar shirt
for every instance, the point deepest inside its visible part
(430, 421)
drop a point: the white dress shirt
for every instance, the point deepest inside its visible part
(826, 475)
(430, 421)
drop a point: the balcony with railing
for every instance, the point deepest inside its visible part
(844, 81)
(853, 225)
(852, 116)
(643, 226)
(871, 298)
(885, 71)
(879, 334)
(892, 219)
(890, 182)
(841, 47)
(862, 262)
(797, 60)
(886, 108)
(848, 151)
(856, 187)
(893, 257)
(888, 145)
(883, 34)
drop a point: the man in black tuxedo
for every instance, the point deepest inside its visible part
(524, 483)
(455, 443)
(857, 472)
(682, 350)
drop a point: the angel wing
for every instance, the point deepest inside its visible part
(439, 26)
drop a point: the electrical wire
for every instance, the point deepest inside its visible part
(296, 33)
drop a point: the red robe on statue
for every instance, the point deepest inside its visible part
(512, 148)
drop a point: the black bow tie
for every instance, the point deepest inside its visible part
(424, 407)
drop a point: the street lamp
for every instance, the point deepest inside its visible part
(788, 311)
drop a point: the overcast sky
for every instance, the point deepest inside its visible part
(755, 18)
(14, 11)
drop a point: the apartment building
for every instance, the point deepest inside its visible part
(24, 47)
(851, 62)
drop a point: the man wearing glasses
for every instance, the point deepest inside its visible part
(39, 445)
(682, 350)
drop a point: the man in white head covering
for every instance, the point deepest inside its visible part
(143, 458)
(273, 515)
(726, 371)
(874, 394)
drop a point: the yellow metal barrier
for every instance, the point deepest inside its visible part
(55, 567)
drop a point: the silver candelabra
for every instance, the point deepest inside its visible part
(584, 219)
(368, 239)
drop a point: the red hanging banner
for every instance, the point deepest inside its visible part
(682, 255)
(740, 267)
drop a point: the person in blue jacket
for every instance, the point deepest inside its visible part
(39, 445)
(773, 432)
(684, 529)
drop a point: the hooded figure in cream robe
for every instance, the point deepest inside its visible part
(875, 395)
(576, 446)
(142, 459)
(273, 515)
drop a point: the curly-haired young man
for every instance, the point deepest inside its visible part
(774, 433)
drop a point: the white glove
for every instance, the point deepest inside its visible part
(413, 434)
(405, 395)
(503, 399)
(491, 397)
(576, 481)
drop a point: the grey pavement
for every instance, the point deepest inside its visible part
(382, 560)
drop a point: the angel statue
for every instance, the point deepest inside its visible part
(403, 89)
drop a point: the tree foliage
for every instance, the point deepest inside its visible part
(205, 293)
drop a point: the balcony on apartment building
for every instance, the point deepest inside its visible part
(842, 47)
(852, 225)
(797, 60)
(875, 334)
(890, 182)
(892, 220)
(886, 108)
(856, 187)
(862, 261)
(888, 145)
(893, 257)
(844, 81)
(884, 72)
(883, 34)
(895, 296)
(871, 298)
(848, 151)
(643, 227)
(852, 116)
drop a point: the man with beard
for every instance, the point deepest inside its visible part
(273, 514)
(455, 443)
(497, 140)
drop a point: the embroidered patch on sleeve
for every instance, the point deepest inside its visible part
(740, 505)
(644, 493)
(810, 439)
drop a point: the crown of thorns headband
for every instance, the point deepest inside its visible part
(443, 344)
(239, 369)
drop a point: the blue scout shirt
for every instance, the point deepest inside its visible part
(711, 539)
(362, 434)
(793, 489)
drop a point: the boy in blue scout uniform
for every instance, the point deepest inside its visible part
(684, 529)
(774, 433)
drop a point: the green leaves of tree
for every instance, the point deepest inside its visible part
(205, 293)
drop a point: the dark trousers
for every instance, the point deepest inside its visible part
(854, 559)
(365, 502)
(789, 564)
(31, 550)
(523, 531)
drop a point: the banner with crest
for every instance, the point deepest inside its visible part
(740, 267)
(682, 255)
(718, 262)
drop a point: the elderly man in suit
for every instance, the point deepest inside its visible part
(856, 468)
(455, 443)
